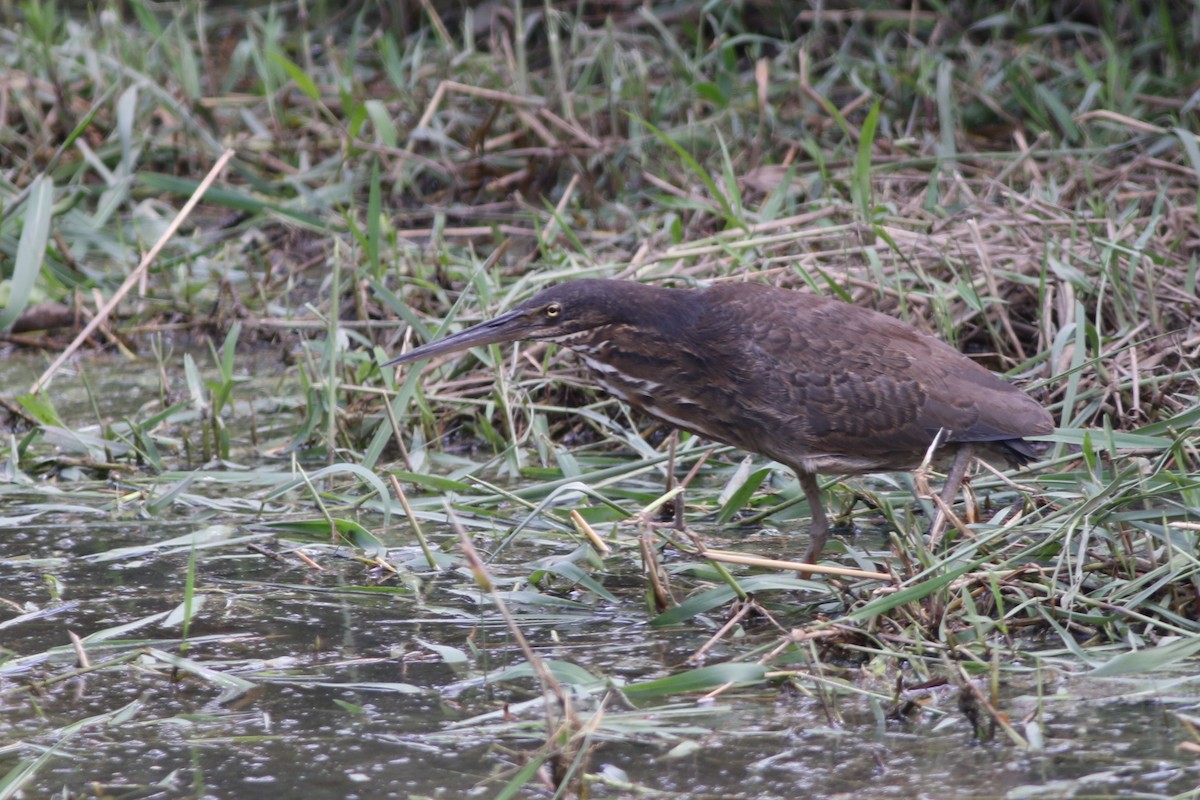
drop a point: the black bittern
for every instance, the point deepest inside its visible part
(821, 386)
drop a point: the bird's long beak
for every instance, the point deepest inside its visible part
(505, 328)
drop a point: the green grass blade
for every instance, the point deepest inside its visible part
(31, 249)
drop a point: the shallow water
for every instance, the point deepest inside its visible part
(348, 699)
(339, 679)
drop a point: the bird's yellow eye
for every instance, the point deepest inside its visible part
(553, 311)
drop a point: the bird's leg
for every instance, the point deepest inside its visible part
(678, 502)
(954, 480)
(820, 525)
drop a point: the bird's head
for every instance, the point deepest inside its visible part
(558, 313)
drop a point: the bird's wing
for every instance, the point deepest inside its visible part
(819, 377)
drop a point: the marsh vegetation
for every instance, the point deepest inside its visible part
(239, 557)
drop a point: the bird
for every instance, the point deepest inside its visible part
(819, 385)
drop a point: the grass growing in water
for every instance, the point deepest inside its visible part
(1024, 186)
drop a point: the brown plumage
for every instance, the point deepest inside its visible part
(819, 385)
